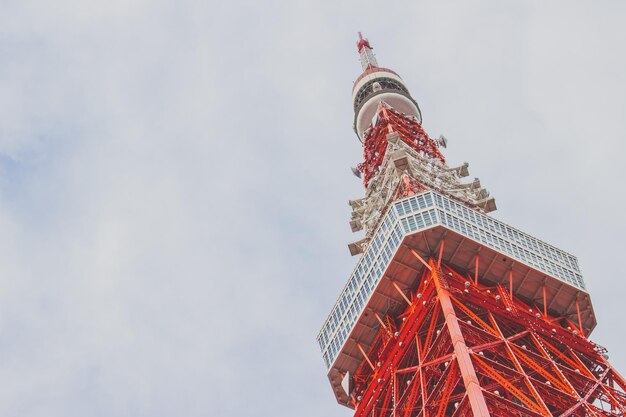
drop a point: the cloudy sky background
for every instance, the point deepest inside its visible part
(174, 178)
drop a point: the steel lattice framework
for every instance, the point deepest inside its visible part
(449, 312)
(462, 349)
(408, 129)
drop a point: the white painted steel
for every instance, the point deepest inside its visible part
(382, 73)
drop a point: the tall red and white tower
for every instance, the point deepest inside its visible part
(450, 312)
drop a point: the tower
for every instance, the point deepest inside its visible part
(450, 312)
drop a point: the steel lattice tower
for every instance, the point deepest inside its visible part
(450, 312)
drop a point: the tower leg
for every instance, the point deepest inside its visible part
(468, 373)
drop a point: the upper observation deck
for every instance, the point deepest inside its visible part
(418, 223)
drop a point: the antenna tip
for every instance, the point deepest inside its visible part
(363, 42)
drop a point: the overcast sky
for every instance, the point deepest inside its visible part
(174, 178)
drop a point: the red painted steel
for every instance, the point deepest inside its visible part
(375, 140)
(462, 349)
(362, 42)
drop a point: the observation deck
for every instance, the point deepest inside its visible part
(540, 274)
(374, 85)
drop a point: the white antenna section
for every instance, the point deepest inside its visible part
(365, 53)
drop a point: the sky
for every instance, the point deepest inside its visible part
(174, 178)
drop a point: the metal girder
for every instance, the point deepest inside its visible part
(375, 142)
(506, 362)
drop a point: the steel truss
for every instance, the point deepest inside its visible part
(375, 140)
(400, 159)
(466, 349)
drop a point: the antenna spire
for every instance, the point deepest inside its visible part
(368, 60)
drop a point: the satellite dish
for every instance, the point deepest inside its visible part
(442, 141)
(356, 172)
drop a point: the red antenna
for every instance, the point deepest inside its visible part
(362, 42)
